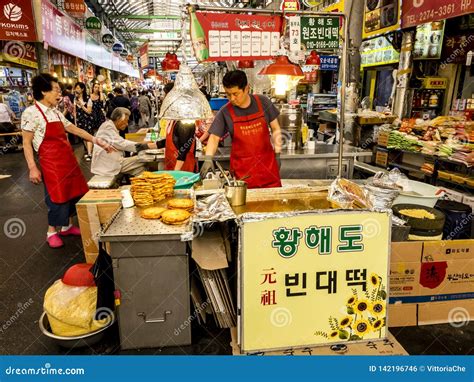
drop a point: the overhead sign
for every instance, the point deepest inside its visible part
(19, 52)
(124, 53)
(378, 51)
(108, 40)
(17, 21)
(93, 24)
(290, 5)
(144, 55)
(60, 32)
(313, 279)
(314, 32)
(380, 17)
(416, 12)
(429, 40)
(76, 8)
(240, 36)
(117, 48)
(329, 63)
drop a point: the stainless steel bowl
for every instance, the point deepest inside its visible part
(88, 339)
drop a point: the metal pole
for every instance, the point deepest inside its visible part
(266, 11)
(343, 72)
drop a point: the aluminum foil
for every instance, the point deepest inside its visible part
(185, 100)
(381, 198)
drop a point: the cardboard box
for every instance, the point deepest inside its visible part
(381, 157)
(428, 280)
(458, 313)
(388, 346)
(383, 137)
(94, 209)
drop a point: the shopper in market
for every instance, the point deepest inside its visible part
(135, 107)
(247, 119)
(145, 107)
(116, 163)
(44, 131)
(83, 114)
(7, 117)
(120, 100)
(97, 103)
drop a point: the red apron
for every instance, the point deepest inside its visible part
(62, 175)
(252, 152)
(171, 153)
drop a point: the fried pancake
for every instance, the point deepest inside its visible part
(152, 212)
(175, 216)
(184, 203)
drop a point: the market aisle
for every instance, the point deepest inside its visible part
(28, 267)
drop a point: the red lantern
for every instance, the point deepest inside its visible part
(246, 64)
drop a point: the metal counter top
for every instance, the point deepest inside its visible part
(128, 224)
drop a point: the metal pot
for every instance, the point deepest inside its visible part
(237, 193)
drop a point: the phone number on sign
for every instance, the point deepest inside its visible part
(443, 11)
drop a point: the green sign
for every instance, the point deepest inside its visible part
(319, 32)
(93, 23)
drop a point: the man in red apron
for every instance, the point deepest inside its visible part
(247, 118)
(44, 131)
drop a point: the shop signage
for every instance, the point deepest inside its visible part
(380, 16)
(334, 6)
(416, 12)
(17, 21)
(124, 53)
(290, 5)
(435, 83)
(378, 52)
(240, 36)
(329, 63)
(93, 24)
(76, 8)
(108, 40)
(429, 40)
(60, 32)
(312, 3)
(144, 55)
(117, 48)
(456, 47)
(19, 52)
(314, 279)
(314, 32)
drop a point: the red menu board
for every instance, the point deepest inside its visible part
(239, 37)
(416, 12)
(17, 21)
(60, 32)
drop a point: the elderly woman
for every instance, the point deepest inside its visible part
(44, 131)
(116, 163)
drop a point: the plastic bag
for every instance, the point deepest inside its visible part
(346, 194)
(71, 309)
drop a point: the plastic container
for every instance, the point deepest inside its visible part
(184, 179)
(217, 103)
(428, 197)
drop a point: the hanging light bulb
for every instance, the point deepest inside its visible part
(283, 74)
(185, 102)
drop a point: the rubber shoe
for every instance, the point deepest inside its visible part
(54, 241)
(73, 231)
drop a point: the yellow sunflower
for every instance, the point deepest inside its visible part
(361, 306)
(377, 308)
(333, 334)
(374, 280)
(377, 325)
(361, 327)
(345, 322)
(351, 300)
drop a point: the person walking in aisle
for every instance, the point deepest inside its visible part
(83, 117)
(146, 108)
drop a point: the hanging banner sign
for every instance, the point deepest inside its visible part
(60, 32)
(239, 37)
(290, 5)
(76, 8)
(117, 48)
(329, 63)
(93, 24)
(144, 55)
(380, 17)
(108, 40)
(124, 53)
(17, 21)
(378, 51)
(19, 52)
(314, 279)
(308, 32)
(416, 12)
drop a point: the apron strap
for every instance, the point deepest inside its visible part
(259, 103)
(41, 111)
(231, 111)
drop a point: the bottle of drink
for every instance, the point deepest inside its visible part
(198, 37)
(153, 135)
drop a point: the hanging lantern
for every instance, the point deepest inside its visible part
(185, 102)
(172, 64)
(246, 64)
(314, 60)
(283, 74)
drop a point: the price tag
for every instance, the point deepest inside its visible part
(469, 58)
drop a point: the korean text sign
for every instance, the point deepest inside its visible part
(17, 21)
(308, 32)
(416, 12)
(314, 279)
(240, 36)
(381, 17)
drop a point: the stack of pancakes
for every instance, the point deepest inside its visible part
(141, 191)
(150, 188)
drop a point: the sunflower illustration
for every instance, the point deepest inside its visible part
(351, 301)
(377, 325)
(374, 280)
(361, 306)
(361, 327)
(345, 322)
(377, 308)
(333, 334)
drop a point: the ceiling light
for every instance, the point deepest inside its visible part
(246, 64)
(283, 74)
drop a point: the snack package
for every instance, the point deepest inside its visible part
(346, 194)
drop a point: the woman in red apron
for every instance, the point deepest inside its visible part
(252, 152)
(180, 147)
(64, 183)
